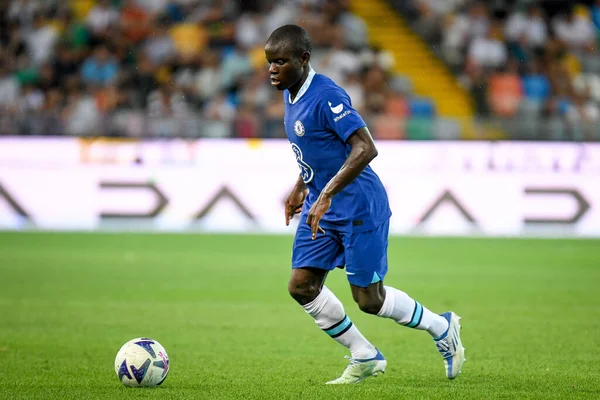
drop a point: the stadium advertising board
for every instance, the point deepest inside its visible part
(503, 189)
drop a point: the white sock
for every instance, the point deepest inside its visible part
(328, 312)
(408, 312)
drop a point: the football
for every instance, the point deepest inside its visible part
(142, 362)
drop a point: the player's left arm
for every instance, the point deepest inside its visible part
(362, 153)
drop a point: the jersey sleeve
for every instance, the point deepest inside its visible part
(338, 115)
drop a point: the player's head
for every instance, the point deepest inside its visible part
(288, 53)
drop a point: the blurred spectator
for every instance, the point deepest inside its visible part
(279, 13)
(505, 91)
(574, 28)
(596, 14)
(189, 39)
(220, 109)
(184, 78)
(274, 113)
(255, 91)
(375, 89)
(41, 40)
(235, 66)
(167, 109)
(220, 113)
(439, 7)
(23, 12)
(488, 51)
(582, 116)
(153, 7)
(590, 59)
(479, 91)
(354, 29)
(49, 119)
(529, 28)
(167, 102)
(249, 30)
(208, 78)
(479, 20)
(101, 19)
(142, 82)
(588, 85)
(135, 21)
(66, 64)
(74, 33)
(536, 87)
(10, 89)
(338, 60)
(101, 68)
(159, 45)
(47, 79)
(31, 100)
(353, 86)
(246, 121)
(81, 114)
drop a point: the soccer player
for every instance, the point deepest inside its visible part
(344, 213)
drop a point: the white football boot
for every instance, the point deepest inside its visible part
(359, 370)
(450, 346)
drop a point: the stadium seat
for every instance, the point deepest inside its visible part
(446, 129)
(419, 129)
(421, 107)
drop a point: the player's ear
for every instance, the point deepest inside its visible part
(305, 58)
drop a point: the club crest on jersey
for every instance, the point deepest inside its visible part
(299, 128)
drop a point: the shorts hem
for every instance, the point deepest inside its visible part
(308, 265)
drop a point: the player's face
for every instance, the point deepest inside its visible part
(285, 68)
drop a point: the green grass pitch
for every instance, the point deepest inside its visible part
(219, 304)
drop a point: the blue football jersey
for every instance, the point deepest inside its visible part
(318, 124)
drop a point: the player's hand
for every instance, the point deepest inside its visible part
(294, 204)
(316, 212)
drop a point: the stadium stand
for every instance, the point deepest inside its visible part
(532, 67)
(451, 69)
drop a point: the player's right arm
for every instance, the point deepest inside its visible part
(295, 200)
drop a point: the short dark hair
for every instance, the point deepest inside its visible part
(292, 37)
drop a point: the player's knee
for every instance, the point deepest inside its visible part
(371, 305)
(303, 292)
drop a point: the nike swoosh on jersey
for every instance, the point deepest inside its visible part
(337, 109)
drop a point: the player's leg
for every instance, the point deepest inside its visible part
(389, 302)
(366, 269)
(307, 287)
(306, 283)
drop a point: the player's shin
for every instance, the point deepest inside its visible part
(408, 312)
(329, 315)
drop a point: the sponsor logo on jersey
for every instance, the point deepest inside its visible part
(336, 119)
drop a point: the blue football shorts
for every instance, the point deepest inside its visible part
(363, 254)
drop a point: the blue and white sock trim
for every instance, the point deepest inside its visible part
(340, 328)
(416, 316)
